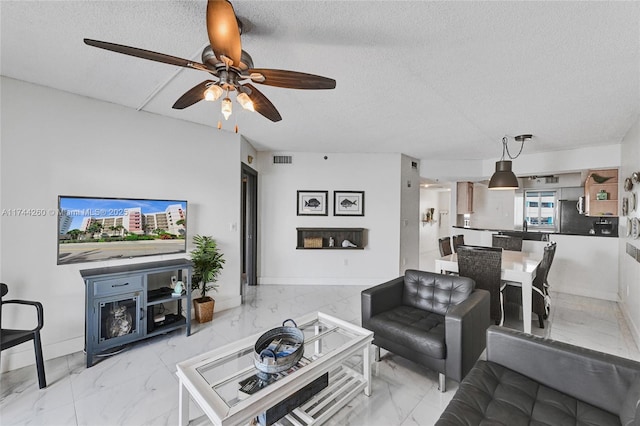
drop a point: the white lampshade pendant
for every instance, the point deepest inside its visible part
(226, 108)
(245, 101)
(212, 93)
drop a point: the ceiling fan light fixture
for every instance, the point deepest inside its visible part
(226, 108)
(212, 93)
(246, 102)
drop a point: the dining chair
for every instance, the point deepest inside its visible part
(458, 240)
(507, 242)
(552, 246)
(540, 301)
(444, 244)
(10, 338)
(483, 265)
(547, 295)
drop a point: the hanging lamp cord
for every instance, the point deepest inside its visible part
(505, 148)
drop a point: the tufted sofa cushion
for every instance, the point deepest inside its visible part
(494, 395)
(434, 292)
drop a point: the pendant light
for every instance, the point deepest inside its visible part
(504, 178)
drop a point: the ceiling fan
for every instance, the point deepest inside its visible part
(231, 67)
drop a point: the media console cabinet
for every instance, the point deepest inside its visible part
(128, 303)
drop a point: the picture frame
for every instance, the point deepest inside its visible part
(312, 203)
(348, 203)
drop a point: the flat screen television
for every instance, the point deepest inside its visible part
(99, 228)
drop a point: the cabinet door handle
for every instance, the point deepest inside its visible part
(119, 285)
(141, 314)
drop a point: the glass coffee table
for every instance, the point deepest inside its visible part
(224, 383)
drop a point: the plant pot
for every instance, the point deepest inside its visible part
(204, 309)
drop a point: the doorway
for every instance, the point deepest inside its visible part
(249, 227)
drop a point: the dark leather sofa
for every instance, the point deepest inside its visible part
(435, 320)
(528, 380)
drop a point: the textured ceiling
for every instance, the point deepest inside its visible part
(434, 80)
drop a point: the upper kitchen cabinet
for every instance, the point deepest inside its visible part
(601, 193)
(464, 201)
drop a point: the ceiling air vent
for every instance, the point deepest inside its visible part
(282, 159)
(414, 164)
(551, 179)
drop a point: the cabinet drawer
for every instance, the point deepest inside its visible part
(117, 285)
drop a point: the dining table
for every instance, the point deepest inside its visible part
(517, 266)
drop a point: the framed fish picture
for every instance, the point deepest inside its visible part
(348, 203)
(313, 203)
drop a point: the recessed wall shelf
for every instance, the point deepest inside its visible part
(319, 238)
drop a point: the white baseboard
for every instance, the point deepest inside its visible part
(321, 281)
(633, 327)
(594, 294)
(24, 355)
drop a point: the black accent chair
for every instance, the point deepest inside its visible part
(458, 240)
(540, 300)
(506, 242)
(444, 244)
(10, 338)
(438, 321)
(484, 266)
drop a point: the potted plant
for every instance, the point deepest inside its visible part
(207, 263)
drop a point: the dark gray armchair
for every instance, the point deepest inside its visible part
(438, 321)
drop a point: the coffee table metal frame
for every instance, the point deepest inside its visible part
(345, 382)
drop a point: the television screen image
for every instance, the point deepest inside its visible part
(94, 229)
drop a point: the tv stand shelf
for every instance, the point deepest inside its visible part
(128, 303)
(356, 236)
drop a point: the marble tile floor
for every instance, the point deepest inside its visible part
(139, 387)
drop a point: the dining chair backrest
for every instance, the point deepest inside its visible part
(552, 248)
(507, 242)
(483, 265)
(458, 240)
(444, 244)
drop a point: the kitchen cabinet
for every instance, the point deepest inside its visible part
(464, 200)
(601, 198)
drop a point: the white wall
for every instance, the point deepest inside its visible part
(378, 175)
(585, 266)
(409, 214)
(492, 209)
(429, 232)
(55, 143)
(574, 160)
(629, 287)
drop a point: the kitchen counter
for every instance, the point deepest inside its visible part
(583, 265)
(535, 235)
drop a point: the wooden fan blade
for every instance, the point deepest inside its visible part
(147, 54)
(262, 105)
(292, 79)
(224, 34)
(192, 96)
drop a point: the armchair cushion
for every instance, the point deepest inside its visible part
(418, 330)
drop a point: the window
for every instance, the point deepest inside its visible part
(540, 209)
